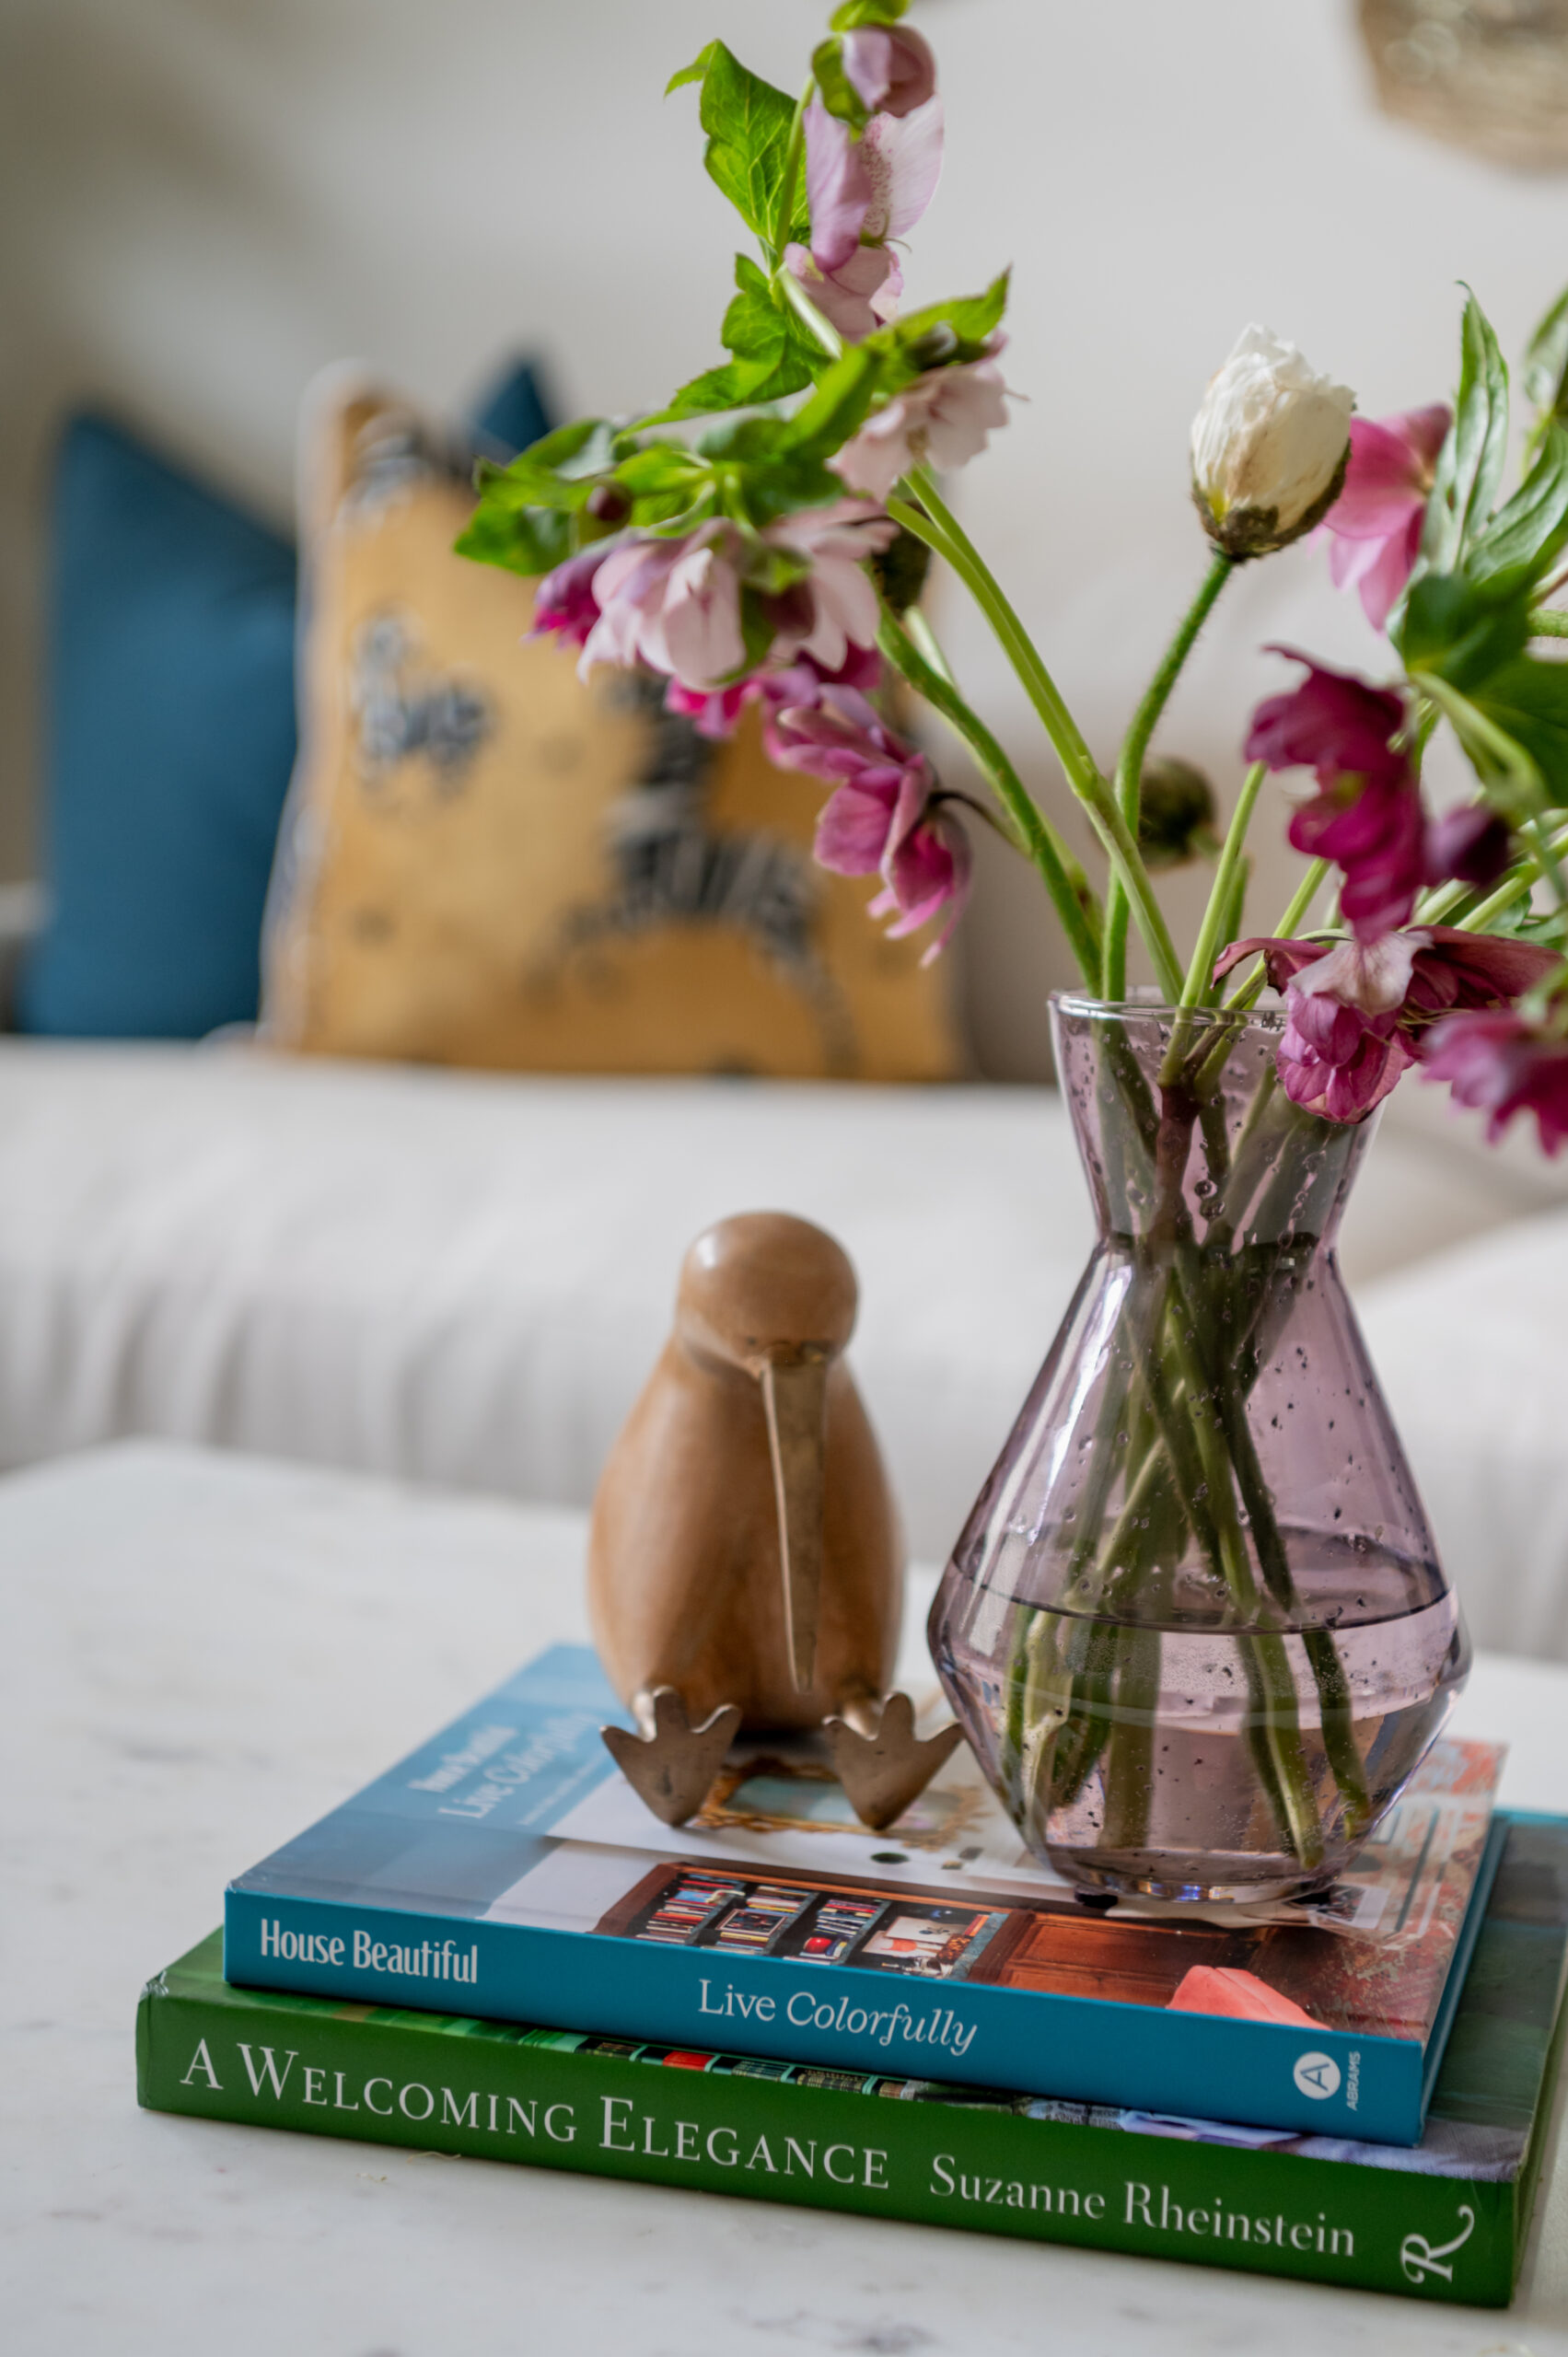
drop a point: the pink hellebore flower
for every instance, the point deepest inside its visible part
(858, 297)
(890, 68)
(862, 193)
(1377, 835)
(1375, 524)
(1497, 1063)
(944, 416)
(565, 606)
(835, 607)
(801, 682)
(1359, 1013)
(1470, 845)
(1368, 817)
(1332, 723)
(883, 817)
(674, 605)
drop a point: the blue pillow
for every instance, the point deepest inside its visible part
(169, 711)
(171, 736)
(513, 413)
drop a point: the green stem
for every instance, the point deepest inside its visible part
(933, 523)
(1064, 879)
(1546, 622)
(1199, 974)
(925, 642)
(806, 310)
(1247, 992)
(1130, 766)
(793, 153)
(1545, 849)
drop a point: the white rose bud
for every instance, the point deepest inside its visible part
(1270, 446)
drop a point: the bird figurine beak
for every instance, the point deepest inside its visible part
(795, 1394)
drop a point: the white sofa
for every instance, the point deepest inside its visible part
(463, 1279)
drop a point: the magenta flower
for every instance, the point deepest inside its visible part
(674, 605)
(862, 193)
(1375, 834)
(1499, 1064)
(835, 608)
(1375, 524)
(1368, 817)
(944, 416)
(801, 682)
(890, 68)
(885, 817)
(1333, 724)
(1360, 1014)
(565, 606)
(1342, 1051)
(1471, 845)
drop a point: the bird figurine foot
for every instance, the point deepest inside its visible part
(672, 1765)
(886, 1766)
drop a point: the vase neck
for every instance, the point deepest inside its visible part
(1199, 1145)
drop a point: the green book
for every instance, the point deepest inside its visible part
(1444, 2220)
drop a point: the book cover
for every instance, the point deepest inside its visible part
(506, 1866)
(1445, 2221)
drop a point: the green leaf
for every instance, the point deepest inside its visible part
(1460, 630)
(1546, 362)
(693, 73)
(772, 354)
(968, 321)
(1527, 700)
(834, 88)
(1506, 771)
(528, 540)
(1530, 532)
(1469, 465)
(855, 13)
(585, 448)
(748, 123)
(837, 407)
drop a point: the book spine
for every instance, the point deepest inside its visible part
(1319, 2082)
(471, 2088)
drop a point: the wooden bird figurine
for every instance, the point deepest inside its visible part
(745, 1564)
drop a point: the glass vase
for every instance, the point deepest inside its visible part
(1195, 1627)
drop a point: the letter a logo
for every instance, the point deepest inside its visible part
(1317, 2075)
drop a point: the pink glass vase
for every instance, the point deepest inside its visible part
(1195, 1627)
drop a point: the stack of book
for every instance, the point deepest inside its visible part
(496, 1950)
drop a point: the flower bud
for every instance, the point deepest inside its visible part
(608, 504)
(1270, 443)
(900, 570)
(890, 68)
(1176, 814)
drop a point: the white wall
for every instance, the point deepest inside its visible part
(202, 201)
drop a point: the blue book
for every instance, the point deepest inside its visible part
(506, 1869)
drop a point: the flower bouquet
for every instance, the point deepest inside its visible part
(1195, 1627)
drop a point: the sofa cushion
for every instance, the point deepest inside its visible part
(463, 1278)
(489, 861)
(170, 734)
(1472, 1350)
(170, 728)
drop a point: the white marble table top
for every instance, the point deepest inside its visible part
(201, 1653)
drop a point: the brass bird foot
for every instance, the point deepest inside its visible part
(672, 1766)
(885, 1770)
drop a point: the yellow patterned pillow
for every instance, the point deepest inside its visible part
(486, 862)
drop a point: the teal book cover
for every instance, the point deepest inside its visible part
(1446, 2220)
(507, 1868)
